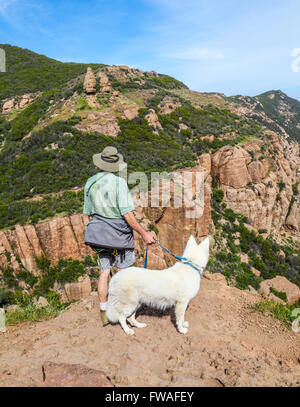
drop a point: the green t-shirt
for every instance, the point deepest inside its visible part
(108, 197)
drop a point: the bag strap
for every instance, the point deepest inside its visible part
(98, 179)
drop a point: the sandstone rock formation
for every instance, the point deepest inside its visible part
(261, 189)
(131, 112)
(8, 106)
(229, 164)
(123, 73)
(152, 119)
(176, 224)
(105, 85)
(90, 83)
(79, 290)
(58, 238)
(293, 219)
(168, 105)
(103, 122)
(19, 102)
(281, 284)
(72, 375)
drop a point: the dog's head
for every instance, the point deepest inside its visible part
(198, 254)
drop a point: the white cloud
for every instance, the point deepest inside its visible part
(197, 54)
(4, 5)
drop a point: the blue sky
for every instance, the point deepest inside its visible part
(228, 46)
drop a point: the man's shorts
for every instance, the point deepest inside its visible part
(107, 258)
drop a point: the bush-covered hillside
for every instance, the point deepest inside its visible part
(29, 167)
(275, 110)
(284, 110)
(28, 72)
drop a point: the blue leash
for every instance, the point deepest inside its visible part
(181, 259)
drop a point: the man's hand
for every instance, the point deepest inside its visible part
(149, 237)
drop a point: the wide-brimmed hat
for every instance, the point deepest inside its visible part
(109, 160)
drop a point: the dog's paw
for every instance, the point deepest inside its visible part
(185, 324)
(130, 332)
(141, 325)
(183, 330)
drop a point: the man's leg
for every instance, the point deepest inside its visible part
(102, 294)
(103, 285)
(105, 262)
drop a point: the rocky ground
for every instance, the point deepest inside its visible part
(227, 345)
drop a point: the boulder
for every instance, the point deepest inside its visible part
(8, 106)
(244, 258)
(293, 220)
(215, 277)
(69, 375)
(13, 307)
(205, 161)
(256, 171)
(79, 290)
(42, 302)
(26, 99)
(229, 165)
(90, 83)
(255, 271)
(131, 112)
(152, 119)
(281, 284)
(105, 85)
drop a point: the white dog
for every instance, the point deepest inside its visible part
(177, 285)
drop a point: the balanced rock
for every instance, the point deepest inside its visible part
(90, 82)
(105, 85)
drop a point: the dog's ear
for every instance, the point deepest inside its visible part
(190, 244)
(205, 244)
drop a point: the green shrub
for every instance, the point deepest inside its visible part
(218, 195)
(280, 294)
(4, 297)
(9, 278)
(276, 310)
(34, 313)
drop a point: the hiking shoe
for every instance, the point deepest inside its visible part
(104, 318)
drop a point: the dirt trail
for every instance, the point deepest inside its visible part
(227, 345)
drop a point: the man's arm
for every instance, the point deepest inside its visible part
(148, 237)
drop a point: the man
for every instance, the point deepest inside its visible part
(108, 203)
